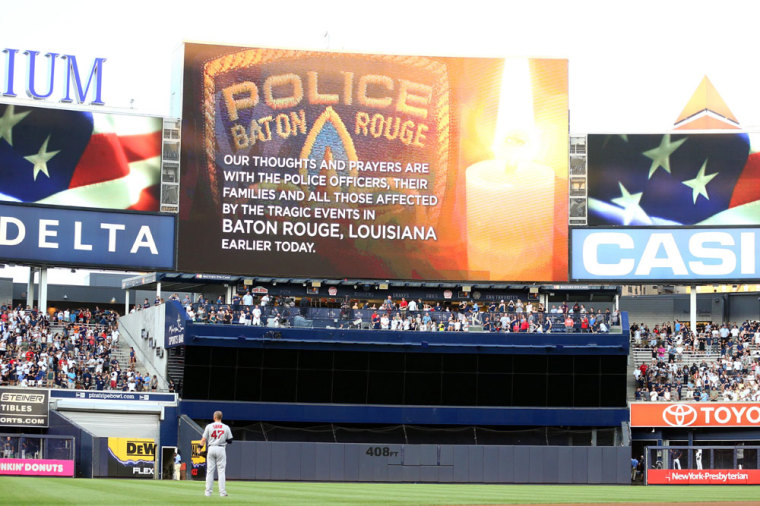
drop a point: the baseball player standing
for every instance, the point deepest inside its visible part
(216, 437)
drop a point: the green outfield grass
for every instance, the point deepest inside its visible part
(28, 490)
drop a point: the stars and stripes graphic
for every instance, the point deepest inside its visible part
(79, 158)
(674, 179)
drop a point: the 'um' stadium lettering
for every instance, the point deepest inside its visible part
(95, 78)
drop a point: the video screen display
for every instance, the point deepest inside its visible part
(673, 179)
(79, 158)
(317, 164)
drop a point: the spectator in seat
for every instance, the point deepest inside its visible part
(569, 323)
(256, 313)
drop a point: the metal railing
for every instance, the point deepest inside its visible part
(375, 319)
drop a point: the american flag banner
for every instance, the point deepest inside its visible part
(674, 179)
(79, 158)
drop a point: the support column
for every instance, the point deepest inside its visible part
(693, 309)
(43, 290)
(543, 298)
(126, 301)
(617, 302)
(158, 290)
(228, 297)
(30, 288)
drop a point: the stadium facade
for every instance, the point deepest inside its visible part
(334, 190)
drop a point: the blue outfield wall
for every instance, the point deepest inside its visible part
(555, 343)
(83, 442)
(391, 414)
(168, 426)
(260, 460)
(558, 344)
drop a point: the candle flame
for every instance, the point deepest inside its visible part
(515, 125)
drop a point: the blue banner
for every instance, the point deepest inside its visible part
(112, 395)
(62, 236)
(175, 317)
(664, 254)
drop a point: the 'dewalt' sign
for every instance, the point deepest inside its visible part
(131, 457)
(23, 407)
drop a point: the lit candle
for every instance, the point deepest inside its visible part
(510, 220)
(510, 199)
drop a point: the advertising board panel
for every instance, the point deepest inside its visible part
(131, 457)
(65, 236)
(24, 407)
(703, 477)
(638, 254)
(682, 414)
(36, 467)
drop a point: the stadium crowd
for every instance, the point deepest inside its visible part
(717, 363)
(70, 348)
(512, 315)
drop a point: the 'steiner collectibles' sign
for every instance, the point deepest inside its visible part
(23, 407)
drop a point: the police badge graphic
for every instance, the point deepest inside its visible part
(361, 114)
(313, 152)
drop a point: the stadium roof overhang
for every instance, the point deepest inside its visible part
(178, 281)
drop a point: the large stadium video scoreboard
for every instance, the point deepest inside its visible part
(338, 165)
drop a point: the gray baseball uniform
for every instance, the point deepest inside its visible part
(217, 435)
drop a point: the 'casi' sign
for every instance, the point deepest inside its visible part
(41, 76)
(665, 253)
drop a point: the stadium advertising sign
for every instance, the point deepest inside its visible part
(672, 254)
(36, 467)
(23, 407)
(55, 236)
(673, 179)
(174, 324)
(110, 395)
(198, 471)
(703, 477)
(375, 166)
(33, 66)
(712, 414)
(131, 457)
(79, 158)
